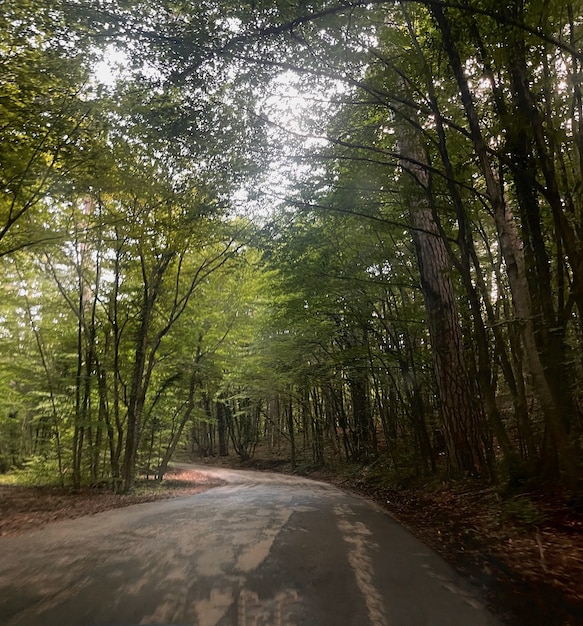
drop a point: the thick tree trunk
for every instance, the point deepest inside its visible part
(467, 256)
(461, 416)
(134, 418)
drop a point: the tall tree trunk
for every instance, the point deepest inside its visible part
(222, 429)
(361, 416)
(183, 421)
(467, 256)
(291, 432)
(142, 366)
(105, 415)
(530, 147)
(513, 257)
(461, 416)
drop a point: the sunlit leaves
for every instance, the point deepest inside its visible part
(48, 124)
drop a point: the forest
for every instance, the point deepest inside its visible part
(347, 231)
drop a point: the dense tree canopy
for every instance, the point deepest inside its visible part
(410, 288)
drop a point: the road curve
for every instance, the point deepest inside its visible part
(263, 550)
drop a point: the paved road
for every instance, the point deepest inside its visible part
(263, 550)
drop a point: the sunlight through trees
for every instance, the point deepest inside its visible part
(345, 231)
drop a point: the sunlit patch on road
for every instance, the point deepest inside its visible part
(361, 547)
(277, 611)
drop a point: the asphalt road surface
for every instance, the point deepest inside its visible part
(263, 550)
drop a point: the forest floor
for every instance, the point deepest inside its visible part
(524, 552)
(24, 508)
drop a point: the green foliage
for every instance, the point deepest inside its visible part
(50, 127)
(35, 471)
(145, 301)
(523, 512)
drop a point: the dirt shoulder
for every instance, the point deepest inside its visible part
(29, 508)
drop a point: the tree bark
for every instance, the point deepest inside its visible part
(183, 421)
(140, 371)
(512, 253)
(222, 428)
(461, 417)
